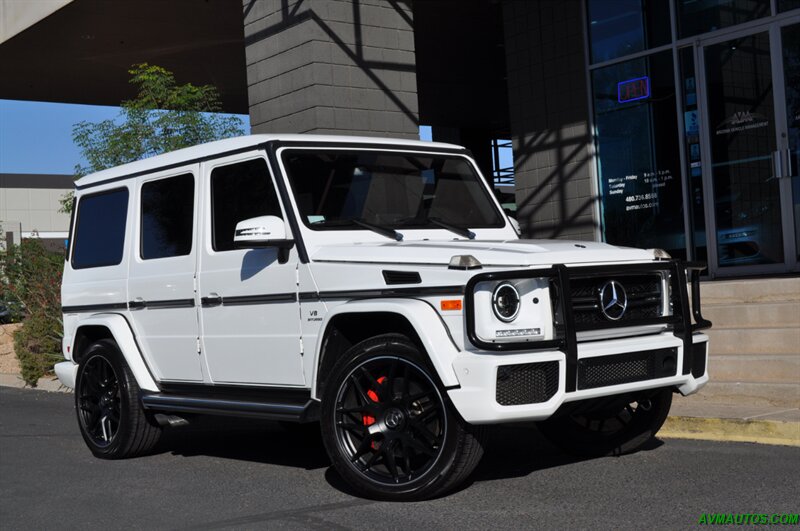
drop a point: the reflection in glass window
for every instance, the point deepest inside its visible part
(100, 229)
(167, 217)
(622, 27)
(638, 155)
(238, 192)
(700, 16)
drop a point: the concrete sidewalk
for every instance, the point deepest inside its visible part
(697, 417)
(693, 417)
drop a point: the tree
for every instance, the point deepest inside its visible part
(164, 116)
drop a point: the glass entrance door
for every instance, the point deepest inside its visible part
(790, 45)
(746, 163)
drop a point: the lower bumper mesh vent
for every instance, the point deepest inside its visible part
(531, 383)
(603, 371)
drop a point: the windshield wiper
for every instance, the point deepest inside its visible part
(380, 229)
(383, 231)
(461, 231)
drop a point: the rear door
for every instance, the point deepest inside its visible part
(161, 285)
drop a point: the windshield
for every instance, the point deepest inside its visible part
(337, 189)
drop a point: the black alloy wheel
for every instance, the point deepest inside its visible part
(388, 426)
(111, 418)
(623, 426)
(98, 401)
(390, 420)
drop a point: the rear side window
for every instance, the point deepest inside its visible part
(100, 229)
(167, 217)
(239, 191)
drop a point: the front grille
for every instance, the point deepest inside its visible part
(603, 371)
(643, 295)
(530, 383)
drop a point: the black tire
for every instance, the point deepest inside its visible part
(622, 427)
(388, 426)
(111, 419)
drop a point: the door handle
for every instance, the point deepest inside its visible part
(788, 163)
(137, 304)
(212, 299)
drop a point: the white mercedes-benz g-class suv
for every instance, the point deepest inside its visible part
(373, 285)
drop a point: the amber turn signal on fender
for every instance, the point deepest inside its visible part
(453, 304)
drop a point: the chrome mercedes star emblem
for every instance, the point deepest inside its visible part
(613, 300)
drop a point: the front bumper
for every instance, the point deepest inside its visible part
(477, 401)
(67, 373)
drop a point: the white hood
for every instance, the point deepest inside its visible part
(509, 253)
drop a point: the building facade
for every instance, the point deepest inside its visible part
(30, 207)
(650, 123)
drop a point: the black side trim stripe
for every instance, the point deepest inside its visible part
(275, 297)
(259, 299)
(173, 303)
(388, 293)
(95, 307)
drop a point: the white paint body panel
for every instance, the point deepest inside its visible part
(123, 336)
(168, 335)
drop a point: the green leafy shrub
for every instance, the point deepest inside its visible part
(30, 279)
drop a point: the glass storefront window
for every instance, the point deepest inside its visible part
(691, 138)
(700, 16)
(622, 27)
(638, 155)
(786, 5)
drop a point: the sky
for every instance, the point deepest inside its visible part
(36, 137)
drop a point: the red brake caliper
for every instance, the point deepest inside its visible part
(370, 420)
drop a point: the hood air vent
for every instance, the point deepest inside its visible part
(401, 277)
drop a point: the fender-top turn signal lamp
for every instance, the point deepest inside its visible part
(451, 305)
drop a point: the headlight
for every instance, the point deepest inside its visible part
(506, 302)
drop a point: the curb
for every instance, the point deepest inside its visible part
(732, 430)
(47, 383)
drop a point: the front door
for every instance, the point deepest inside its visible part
(747, 167)
(250, 315)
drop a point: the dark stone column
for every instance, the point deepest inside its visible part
(550, 118)
(331, 67)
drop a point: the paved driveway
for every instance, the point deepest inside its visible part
(261, 476)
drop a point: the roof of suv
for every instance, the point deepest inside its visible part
(201, 151)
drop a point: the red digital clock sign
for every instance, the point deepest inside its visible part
(633, 89)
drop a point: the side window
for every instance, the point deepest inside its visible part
(239, 191)
(100, 229)
(167, 217)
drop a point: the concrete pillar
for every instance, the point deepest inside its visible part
(331, 67)
(549, 114)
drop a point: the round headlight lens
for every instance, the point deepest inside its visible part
(506, 302)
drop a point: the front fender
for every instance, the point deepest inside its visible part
(422, 316)
(123, 335)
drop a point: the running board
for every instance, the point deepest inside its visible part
(293, 411)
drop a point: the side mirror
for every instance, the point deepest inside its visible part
(263, 231)
(515, 225)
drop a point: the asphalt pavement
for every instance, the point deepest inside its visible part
(229, 474)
